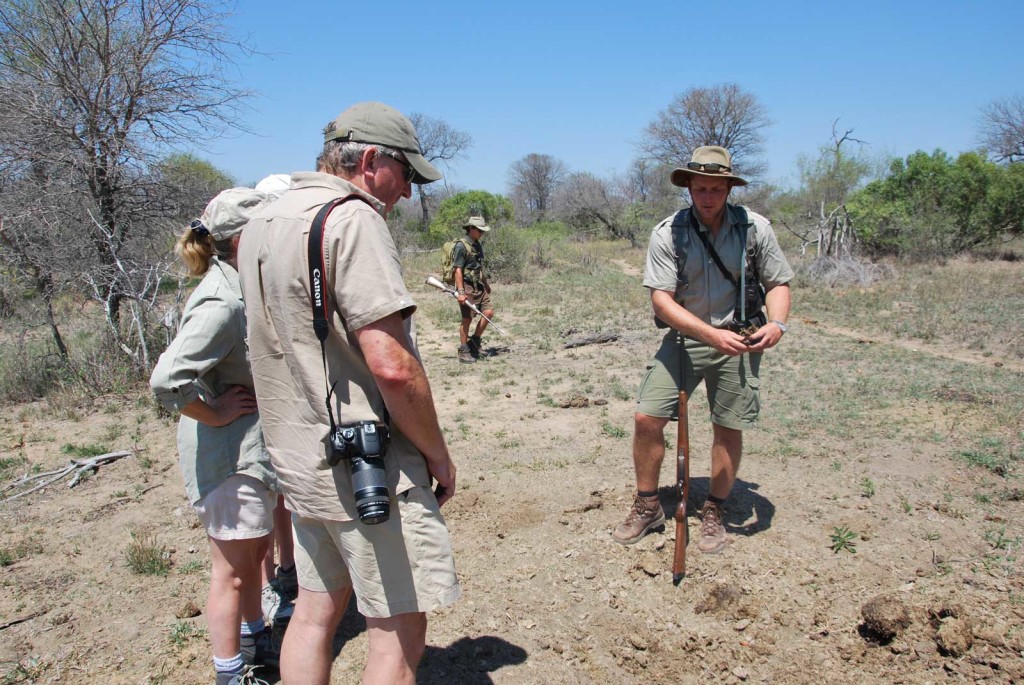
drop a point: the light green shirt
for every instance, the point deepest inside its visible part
(705, 291)
(207, 357)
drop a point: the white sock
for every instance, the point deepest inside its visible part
(253, 628)
(232, 665)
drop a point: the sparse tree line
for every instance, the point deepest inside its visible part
(99, 94)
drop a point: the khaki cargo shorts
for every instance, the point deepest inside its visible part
(478, 296)
(401, 566)
(732, 383)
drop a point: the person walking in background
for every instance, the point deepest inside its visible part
(693, 272)
(391, 549)
(204, 374)
(471, 285)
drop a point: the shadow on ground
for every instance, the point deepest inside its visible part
(469, 661)
(747, 511)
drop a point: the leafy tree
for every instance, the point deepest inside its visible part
(932, 205)
(1002, 129)
(723, 115)
(441, 144)
(95, 93)
(453, 212)
(533, 180)
(187, 184)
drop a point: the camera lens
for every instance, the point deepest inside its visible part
(370, 486)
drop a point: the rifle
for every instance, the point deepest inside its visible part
(432, 280)
(683, 484)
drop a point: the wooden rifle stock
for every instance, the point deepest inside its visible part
(683, 485)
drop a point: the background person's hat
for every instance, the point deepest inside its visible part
(710, 161)
(229, 212)
(376, 123)
(275, 185)
(477, 222)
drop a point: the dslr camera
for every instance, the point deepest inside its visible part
(364, 445)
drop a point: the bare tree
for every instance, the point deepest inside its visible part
(1002, 129)
(441, 145)
(585, 201)
(720, 115)
(533, 181)
(95, 92)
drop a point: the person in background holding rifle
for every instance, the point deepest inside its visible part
(471, 285)
(365, 516)
(698, 264)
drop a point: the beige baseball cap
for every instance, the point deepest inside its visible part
(710, 161)
(229, 212)
(477, 222)
(379, 124)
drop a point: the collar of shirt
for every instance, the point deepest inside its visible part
(316, 179)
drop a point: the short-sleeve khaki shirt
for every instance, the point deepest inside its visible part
(365, 284)
(706, 293)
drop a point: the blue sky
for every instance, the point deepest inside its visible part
(580, 81)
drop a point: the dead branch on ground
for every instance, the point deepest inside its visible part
(79, 467)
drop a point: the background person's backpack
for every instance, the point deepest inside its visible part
(448, 259)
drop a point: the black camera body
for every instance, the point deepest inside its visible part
(364, 445)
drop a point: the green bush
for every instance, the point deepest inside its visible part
(934, 206)
(452, 214)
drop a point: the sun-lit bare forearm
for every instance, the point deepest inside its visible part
(778, 302)
(403, 384)
(676, 316)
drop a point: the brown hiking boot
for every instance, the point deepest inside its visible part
(644, 516)
(712, 531)
(475, 346)
(465, 355)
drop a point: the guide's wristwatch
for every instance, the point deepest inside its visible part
(782, 327)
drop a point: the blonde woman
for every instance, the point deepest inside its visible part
(205, 375)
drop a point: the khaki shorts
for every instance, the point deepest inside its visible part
(732, 383)
(401, 566)
(478, 296)
(240, 508)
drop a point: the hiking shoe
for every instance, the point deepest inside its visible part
(475, 346)
(712, 531)
(644, 516)
(288, 582)
(465, 354)
(246, 677)
(261, 649)
(277, 608)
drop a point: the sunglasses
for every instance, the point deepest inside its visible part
(711, 167)
(410, 173)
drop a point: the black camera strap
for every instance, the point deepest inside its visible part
(317, 291)
(711, 250)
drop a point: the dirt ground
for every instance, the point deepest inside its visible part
(547, 596)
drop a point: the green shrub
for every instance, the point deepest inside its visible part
(145, 557)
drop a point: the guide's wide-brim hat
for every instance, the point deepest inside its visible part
(378, 124)
(704, 158)
(476, 222)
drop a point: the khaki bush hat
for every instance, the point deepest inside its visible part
(275, 185)
(229, 212)
(477, 222)
(379, 124)
(710, 161)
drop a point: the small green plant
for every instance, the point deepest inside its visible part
(183, 632)
(867, 487)
(6, 557)
(843, 540)
(932, 535)
(190, 567)
(999, 540)
(145, 557)
(612, 431)
(837, 466)
(83, 451)
(906, 505)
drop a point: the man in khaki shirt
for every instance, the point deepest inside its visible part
(691, 294)
(403, 567)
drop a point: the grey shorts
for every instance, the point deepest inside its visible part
(732, 383)
(401, 566)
